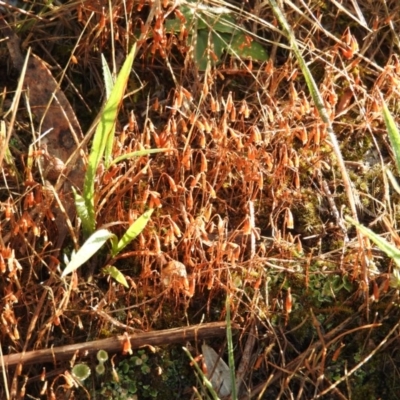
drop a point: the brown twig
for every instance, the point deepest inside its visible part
(114, 344)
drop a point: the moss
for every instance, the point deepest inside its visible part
(164, 374)
(307, 214)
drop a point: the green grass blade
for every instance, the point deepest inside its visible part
(116, 274)
(311, 84)
(89, 248)
(206, 382)
(108, 79)
(114, 102)
(138, 153)
(390, 250)
(133, 231)
(104, 138)
(4, 144)
(392, 180)
(319, 104)
(82, 210)
(393, 132)
(231, 357)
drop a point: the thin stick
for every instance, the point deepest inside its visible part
(114, 344)
(4, 374)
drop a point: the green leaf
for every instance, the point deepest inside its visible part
(104, 138)
(200, 51)
(215, 27)
(223, 23)
(133, 231)
(245, 47)
(173, 25)
(390, 250)
(240, 45)
(395, 279)
(138, 153)
(207, 18)
(116, 274)
(82, 210)
(108, 79)
(220, 43)
(393, 132)
(114, 102)
(90, 247)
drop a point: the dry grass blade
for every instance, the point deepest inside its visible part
(4, 375)
(360, 364)
(15, 103)
(245, 363)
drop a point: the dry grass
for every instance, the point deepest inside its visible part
(250, 199)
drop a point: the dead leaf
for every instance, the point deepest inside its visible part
(218, 371)
(56, 117)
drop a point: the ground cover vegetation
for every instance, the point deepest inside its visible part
(174, 170)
